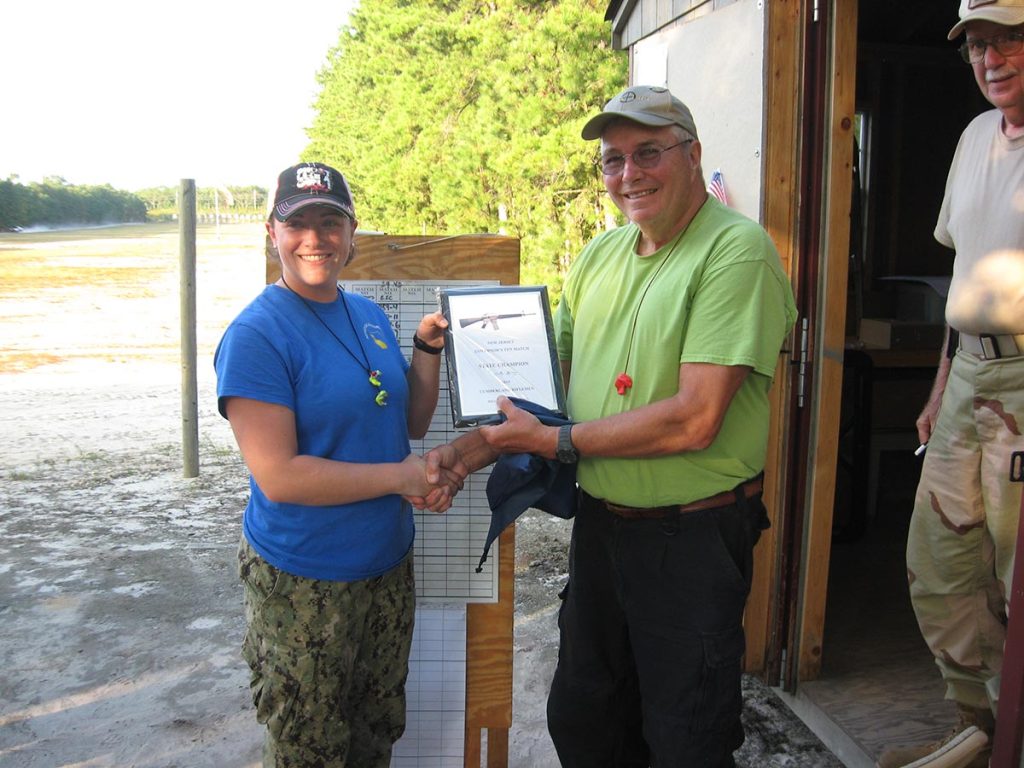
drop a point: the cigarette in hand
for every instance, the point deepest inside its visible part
(920, 449)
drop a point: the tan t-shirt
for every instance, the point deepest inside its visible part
(982, 218)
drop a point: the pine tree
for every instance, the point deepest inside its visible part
(464, 117)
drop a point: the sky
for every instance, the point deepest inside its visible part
(139, 93)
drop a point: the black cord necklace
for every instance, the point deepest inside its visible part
(374, 375)
(623, 382)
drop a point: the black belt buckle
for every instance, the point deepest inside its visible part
(989, 346)
(1017, 467)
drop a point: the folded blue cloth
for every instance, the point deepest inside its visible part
(519, 481)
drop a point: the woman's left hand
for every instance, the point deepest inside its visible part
(431, 329)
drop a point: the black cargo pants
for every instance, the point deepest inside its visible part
(651, 638)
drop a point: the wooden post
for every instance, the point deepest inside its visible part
(187, 297)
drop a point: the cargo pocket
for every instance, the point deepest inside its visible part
(276, 692)
(259, 582)
(720, 701)
(259, 578)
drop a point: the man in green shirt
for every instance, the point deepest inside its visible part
(668, 332)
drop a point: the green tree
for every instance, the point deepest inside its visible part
(54, 202)
(160, 202)
(15, 200)
(463, 116)
(249, 201)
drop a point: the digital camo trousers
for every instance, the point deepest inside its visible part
(963, 530)
(329, 662)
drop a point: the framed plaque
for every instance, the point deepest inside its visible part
(499, 341)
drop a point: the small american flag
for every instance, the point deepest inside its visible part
(717, 187)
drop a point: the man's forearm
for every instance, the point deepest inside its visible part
(474, 450)
(942, 371)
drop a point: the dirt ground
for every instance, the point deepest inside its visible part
(120, 613)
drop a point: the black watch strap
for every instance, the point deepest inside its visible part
(564, 451)
(421, 345)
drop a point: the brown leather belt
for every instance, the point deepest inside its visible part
(748, 489)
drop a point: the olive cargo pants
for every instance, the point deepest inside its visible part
(329, 662)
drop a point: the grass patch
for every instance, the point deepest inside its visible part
(18, 278)
(112, 294)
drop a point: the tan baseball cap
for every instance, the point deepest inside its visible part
(645, 104)
(1009, 13)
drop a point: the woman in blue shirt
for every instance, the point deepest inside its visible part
(322, 404)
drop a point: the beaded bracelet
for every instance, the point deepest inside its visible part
(421, 345)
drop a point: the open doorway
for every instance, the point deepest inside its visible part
(878, 684)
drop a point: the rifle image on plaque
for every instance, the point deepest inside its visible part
(491, 320)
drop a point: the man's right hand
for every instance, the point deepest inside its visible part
(926, 421)
(445, 469)
(448, 466)
(445, 466)
(930, 413)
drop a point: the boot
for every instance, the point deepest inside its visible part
(969, 745)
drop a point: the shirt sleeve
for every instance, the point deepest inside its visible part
(740, 316)
(249, 366)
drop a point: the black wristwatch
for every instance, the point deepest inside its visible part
(564, 451)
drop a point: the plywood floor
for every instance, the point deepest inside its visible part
(879, 684)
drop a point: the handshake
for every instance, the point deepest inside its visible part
(437, 476)
(442, 473)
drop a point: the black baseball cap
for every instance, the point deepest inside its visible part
(311, 184)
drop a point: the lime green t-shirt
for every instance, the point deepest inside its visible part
(716, 294)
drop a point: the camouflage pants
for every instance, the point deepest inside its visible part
(963, 531)
(329, 662)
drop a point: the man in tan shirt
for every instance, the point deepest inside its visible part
(963, 531)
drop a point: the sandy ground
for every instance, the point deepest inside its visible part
(120, 613)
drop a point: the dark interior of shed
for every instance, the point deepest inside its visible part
(914, 95)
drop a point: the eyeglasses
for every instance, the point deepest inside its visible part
(1006, 43)
(645, 157)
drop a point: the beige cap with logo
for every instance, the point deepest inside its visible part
(645, 104)
(1009, 13)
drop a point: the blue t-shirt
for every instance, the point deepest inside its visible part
(277, 351)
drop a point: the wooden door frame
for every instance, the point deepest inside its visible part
(831, 334)
(809, 493)
(779, 217)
